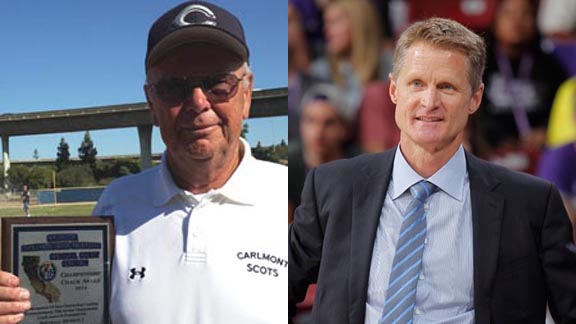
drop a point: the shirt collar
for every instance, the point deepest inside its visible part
(404, 176)
(237, 188)
(166, 189)
(234, 189)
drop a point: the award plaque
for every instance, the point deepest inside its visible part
(65, 264)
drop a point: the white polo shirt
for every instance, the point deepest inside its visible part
(223, 259)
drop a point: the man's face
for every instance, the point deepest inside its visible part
(199, 128)
(322, 129)
(433, 97)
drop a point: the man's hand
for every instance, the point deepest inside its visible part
(14, 301)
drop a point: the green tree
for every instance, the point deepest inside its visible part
(104, 172)
(244, 131)
(2, 179)
(36, 177)
(40, 177)
(63, 155)
(260, 152)
(87, 152)
(125, 167)
(75, 176)
(18, 175)
(280, 153)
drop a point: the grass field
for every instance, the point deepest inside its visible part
(51, 210)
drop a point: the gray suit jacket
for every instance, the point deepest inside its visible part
(520, 237)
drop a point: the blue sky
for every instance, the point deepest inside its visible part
(72, 54)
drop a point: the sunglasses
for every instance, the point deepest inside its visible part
(174, 91)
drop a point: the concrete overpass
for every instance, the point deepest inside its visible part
(265, 103)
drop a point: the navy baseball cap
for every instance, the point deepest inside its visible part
(195, 22)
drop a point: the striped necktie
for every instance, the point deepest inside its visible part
(401, 292)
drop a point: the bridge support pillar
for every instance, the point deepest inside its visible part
(5, 158)
(145, 137)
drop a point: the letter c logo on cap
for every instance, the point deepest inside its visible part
(210, 17)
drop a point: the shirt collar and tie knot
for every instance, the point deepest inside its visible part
(422, 190)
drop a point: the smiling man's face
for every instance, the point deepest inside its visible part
(433, 97)
(198, 127)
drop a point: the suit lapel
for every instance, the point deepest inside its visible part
(487, 213)
(369, 190)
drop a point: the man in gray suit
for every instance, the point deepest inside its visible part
(426, 232)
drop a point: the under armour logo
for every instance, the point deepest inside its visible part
(134, 273)
(196, 15)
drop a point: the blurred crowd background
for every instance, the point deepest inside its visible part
(340, 55)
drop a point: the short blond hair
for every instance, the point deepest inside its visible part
(446, 34)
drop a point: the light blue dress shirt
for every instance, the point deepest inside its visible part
(445, 289)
